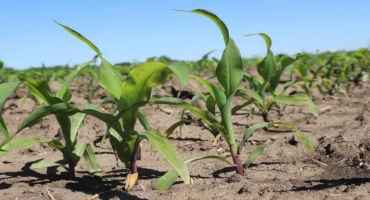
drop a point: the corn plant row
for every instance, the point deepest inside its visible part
(132, 89)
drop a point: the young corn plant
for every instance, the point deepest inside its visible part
(129, 95)
(204, 63)
(8, 144)
(332, 65)
(59, 105)
(351, 68)
(307, 75)
(229, 73)
(360, 72)
(270, 70)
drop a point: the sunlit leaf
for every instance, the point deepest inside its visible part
(181, 70)
(23, 143)
(36, 115)
(137, 87)
(167, 180)
(230, 69)
(6, 89)
(64, 90)
(249, 132)
(166, 148)
(80, 37)
(253, 156)
(90, 159)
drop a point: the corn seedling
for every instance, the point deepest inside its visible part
(270, 69)
(8, 144)
(229, 73)
(308, 77)
(58, 104)
(129, 95)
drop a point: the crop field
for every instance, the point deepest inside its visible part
(276, 127)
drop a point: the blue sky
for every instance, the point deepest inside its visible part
(135, 30)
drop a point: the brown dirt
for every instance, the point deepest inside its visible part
(338, 169)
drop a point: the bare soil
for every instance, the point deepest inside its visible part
(338, 169)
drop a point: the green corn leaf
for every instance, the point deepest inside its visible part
(230, 69)
(81, 37)
(211, 105)
(123, 144)
(77, 121)
(289, 100)
(266, 68)
(206, 84)
(6, 89)
(249, 132)
(79, 150)
(297, 99)
(220, 96)
(90, 160)
(111, 120)
(65, 125)
(166, 148)
(20, 143)
(255, 83)
(253, 156)
(4, 131)
(36, 115)
(170, 130)
(124, 141)
(306, 142)
(254, 95)
(198, 95)
(105, 117)
(228, 129)
(143, 120)
(110, 79)
(41, 90)
(221, 25)
(46, 164)
(167, 180)
(55, 144)
(285, 61)
(303, 138)
(265, 37)
(181, 70)
(239, 107)
(207, 117)
(123, 150)
(64, 93)
(137, 88)
(76, 124)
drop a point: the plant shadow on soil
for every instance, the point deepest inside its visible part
(330, 183)
(110, 186)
